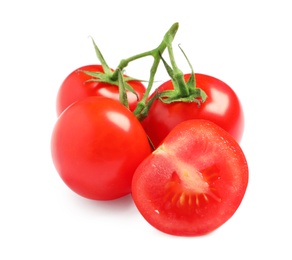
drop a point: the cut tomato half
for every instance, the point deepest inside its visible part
(193, 182)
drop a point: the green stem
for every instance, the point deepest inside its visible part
(142, 108)
(168, 37)
(178, 75)
(156, 54)
(122, 90)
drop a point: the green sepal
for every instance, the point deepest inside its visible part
(183, 91)
(107, 75)
(106, 78)
(198, 97)
(100, 57)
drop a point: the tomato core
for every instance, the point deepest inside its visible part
(188, 187)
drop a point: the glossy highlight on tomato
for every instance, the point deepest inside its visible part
(75, 87)
(96, 145)
(222, 107)
(193, 182)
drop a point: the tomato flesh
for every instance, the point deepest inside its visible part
(221, 107)
(97, 144)
(193, 182)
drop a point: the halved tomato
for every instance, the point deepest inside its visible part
(193, 182)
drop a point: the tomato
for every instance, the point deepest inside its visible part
(221, 107)
(75, 87)
(193, 182)
(97, 144)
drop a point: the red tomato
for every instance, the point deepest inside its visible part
(221, 107)
(96, 145)
(75, 87)
(194, 182)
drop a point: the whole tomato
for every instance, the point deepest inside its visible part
(96, 145)
(193, 182)
(76, 87)
(222, 107)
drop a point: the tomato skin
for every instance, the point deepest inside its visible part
(96, 145)
(221, 107)
(194, 182)
(75, 87)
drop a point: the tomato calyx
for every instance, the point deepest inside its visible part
(107, 75)
(184, 91)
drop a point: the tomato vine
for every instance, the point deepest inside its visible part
(183, 91)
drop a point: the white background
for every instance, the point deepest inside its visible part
(247, 44)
